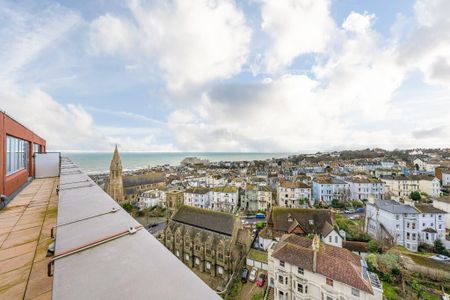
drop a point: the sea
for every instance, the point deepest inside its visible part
(98, 162)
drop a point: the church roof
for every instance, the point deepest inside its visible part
(143, 179)
(219, 222)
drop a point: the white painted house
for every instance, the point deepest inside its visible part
(403, 224)
(362, 187)
(225, 198)
(150, 198)
(329, 188)
(198, 197)
(293, 194)
(301, 268)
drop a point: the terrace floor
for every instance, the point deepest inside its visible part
(25, 226)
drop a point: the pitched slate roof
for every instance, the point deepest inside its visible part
(205, 219)
(143, 179)
(333, 262)
(425, 208)
(311, 220)
(294, 185)
(198, 190)
(395, 207)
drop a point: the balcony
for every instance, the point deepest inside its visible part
(101, 251)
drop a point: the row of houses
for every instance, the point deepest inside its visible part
(405, 225)
(298, 194)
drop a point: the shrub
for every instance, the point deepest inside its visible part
(372, 263)
(373, 246)
(440, 248)
(415, 196)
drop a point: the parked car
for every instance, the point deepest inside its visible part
(261, 279)
(252, 276)
(260, 216)
(244, 275)
(440, 257)
(360, 210)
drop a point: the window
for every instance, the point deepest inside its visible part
(285, 280)
(208, 265)
(220, 270)
(300, 288)
(36, 148)
(16, 154)
(355, 292)
(187, 256)
(413, 225)
(336, 239)
(330, 281)
(330, 239)
(397, 217)
(439, 217)
(281, 263)
(280, 279)
(300, 271)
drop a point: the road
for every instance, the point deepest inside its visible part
(157, 228)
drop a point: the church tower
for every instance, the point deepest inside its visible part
(115, 184)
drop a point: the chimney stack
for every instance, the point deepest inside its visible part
(315, 247)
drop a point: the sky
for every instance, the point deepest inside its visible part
(217, 75)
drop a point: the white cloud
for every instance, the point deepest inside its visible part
(295, 27)
(192, 42)
(27, 34)
(347, 104)
(428, 46)
(358, 23)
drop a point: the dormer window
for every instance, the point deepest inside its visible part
(290, 218)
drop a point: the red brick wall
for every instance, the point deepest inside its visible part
(9, 126)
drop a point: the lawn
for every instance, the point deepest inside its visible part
(390, 292)
(257, 255)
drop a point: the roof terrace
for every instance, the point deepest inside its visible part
(100, 250)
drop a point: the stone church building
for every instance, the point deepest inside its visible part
(126, 189)
(114, 184)
(208, 241)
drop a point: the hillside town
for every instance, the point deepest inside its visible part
(363, 224)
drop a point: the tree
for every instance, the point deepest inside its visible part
(440, 248)
(373, 246)
(415, 196)
(128, 207)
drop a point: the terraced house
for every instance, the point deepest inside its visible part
(293, 194)
(301, 268)
(225, 198)
(207, 241)
(363, 187)
(256, 197)
(198, 197)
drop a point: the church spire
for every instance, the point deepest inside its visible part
(116, 163)
(114, 186)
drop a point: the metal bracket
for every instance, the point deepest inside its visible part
(113, 210)
(129, 231)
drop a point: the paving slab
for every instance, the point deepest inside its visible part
(25, 226)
